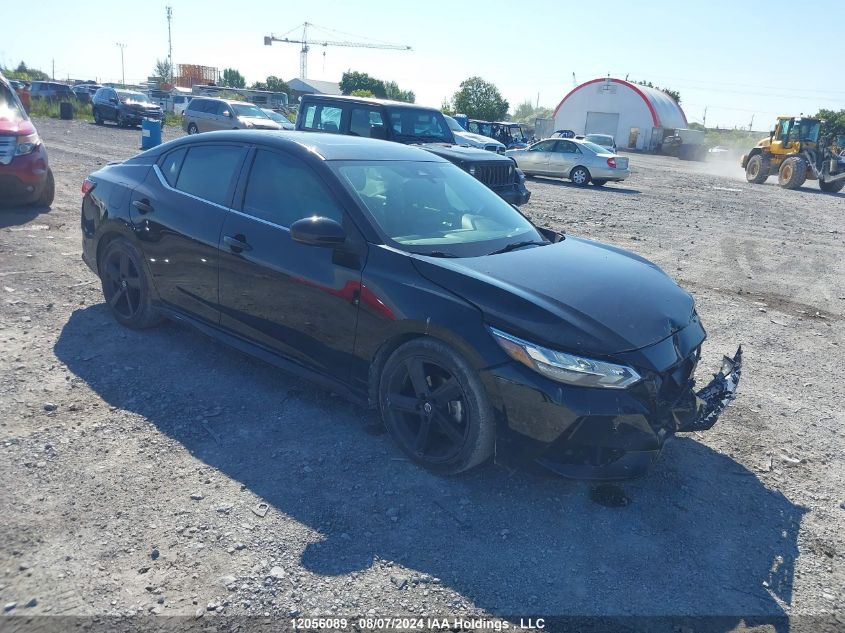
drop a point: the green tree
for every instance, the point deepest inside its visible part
(232, 79)
(447, 108)
(393, 91)
(480, 99)
(353, 80)
(362, 93)
(24, 73)
(273, 83)
(527, 112)
(834, 122)
(672, 93)
(163, 70)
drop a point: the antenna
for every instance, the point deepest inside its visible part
(169, 45)
(574, 81)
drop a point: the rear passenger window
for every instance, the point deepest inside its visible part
(208, 170)
(282, 190)
(324, 118)
(170, 165)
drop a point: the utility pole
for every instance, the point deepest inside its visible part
(169, 45)
(705, 118)
(122, 71)
(751, 125)
(53, 72)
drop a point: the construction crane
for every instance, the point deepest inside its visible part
(306, 45)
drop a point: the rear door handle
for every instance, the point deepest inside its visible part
(236, 243)
(143, 206)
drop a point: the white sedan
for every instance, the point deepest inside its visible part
(580, 161)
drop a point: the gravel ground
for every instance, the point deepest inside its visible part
(132, 464)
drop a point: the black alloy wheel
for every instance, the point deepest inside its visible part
(125, 286)
(435, 407)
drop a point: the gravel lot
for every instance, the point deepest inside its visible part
(132, 464)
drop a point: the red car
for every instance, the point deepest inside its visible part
(25, 176)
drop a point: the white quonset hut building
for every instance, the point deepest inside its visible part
(636, 116)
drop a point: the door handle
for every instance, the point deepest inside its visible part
(143, 206)
(236, 243)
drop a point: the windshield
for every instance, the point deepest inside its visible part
(424, 206)
(515, 132)
(278, 118)
(417, 125)
(10, 107)
(132, 97)
(248, 109)
(453, 124)
(598, 149)
(600, 139)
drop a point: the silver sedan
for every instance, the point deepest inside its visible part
(580, 161)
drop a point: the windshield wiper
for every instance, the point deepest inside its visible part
(514, 245)
(438, 254)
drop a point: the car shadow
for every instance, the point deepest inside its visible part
(701, 535)
(607, 188)
(17, 215)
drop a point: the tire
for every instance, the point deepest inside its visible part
(792, 172)
(192, 128)
(599, 182)
(580, 176)
(832, 187)
(48, 192)
(757, 169)
(441, 417)
(120, 121)
(126, 285)
(98, 118)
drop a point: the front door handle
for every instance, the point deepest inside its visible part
(143, 206)
(236, 243)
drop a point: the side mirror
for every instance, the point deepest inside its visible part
(318, 231)
(379, 132)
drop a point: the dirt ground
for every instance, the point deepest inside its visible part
(132, 463)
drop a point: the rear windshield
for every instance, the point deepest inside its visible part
(598, 149)
(10, 107)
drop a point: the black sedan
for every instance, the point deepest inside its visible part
(394, 277)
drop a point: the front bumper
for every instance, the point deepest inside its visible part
(514, 194)
(590, 433)
(136, 116)
(22, 180)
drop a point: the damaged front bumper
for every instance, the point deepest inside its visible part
(603, 434)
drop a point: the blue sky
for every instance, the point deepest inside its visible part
(716, 53)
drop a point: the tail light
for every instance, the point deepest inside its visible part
(611, 162)
(87, 186)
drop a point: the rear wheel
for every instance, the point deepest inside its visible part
(832, 187)
(792, 173)
(580, 176)
(48, 192)
(98, 118)
(435, 407)
(126, 287)
(757, 169)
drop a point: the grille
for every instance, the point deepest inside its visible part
(8, 144)
(674, 383)
(495, 175)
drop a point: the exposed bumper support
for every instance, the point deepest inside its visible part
(712, 399)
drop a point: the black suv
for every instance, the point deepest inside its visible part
(412, 125)
(51, 90)
(124, 107)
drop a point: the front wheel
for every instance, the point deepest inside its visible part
(435, 407)
(98, 118)
(792, 173)
(126, 286)
(832, 187)
(580, 176)
(192, 128)
(48, 193)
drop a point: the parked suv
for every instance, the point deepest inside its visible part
(124, 107)
(25, 175)
(52, 90)
(410, 124)
(206, 114)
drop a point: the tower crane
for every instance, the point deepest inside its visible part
(306, 45)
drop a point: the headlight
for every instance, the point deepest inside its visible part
(26, 144)
(566, 368)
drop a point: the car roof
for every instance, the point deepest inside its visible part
(321, 145)
(368, 100)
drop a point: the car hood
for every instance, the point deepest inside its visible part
(476, 138)
(19, 127)
(458, 153)
(267, 124)
(575, 295)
